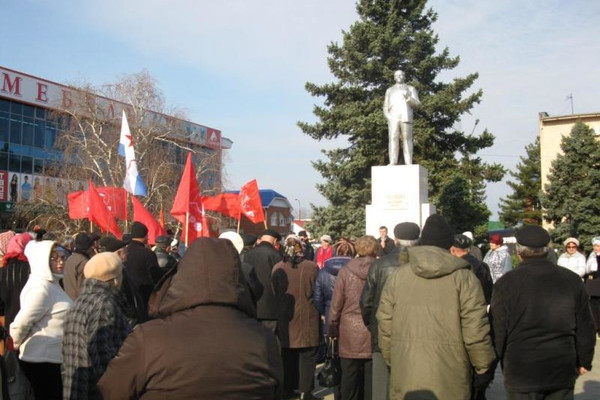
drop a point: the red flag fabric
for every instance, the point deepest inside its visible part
(99, 214)
(188, 200)
(141, 214)
(78, 205)
(225, 203)
(115, 199)
(250, 202)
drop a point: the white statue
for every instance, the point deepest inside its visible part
(400, 100)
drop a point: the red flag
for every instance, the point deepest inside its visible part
(140, 214)
(99, 214)
(250, 202)
(225, 203)
(115, 199)
(78, 205)
(188, 200)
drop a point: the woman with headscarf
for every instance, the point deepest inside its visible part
(37, 330)
(572, 259)
(346, 323)
(298, 320)
(592, 280)
(498, 257)
(13, 275)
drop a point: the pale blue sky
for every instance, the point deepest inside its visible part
(240, 66)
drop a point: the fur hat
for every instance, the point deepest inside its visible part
(138, 230)
(571, 240)
(532, 236)
(437, 232)
(407, 231)
(234, 238)
(326, 238)
(103, 267)
(83, 241)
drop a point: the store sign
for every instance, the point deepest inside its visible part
(3, 185)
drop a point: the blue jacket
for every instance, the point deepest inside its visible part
(323, 292)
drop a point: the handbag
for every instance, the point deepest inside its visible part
(330, 374)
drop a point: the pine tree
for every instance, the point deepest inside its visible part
(571, 196)
(392, 35)
(523, 205)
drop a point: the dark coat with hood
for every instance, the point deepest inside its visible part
(379, 272)
(543, 326)
(298, 322)
(264, 257)
(433, 326)
(205, 343)
(345, 319)
(73, 275)
(142, 267)
(325, 284)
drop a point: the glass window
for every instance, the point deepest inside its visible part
(3, 161)
(38, 166)
(4, 105)
(26, 165)
(15, 131)
(274, 219)
(4, 128)
(16, 108)
(27, 132)
(40, 113)
(38, 136)
(50, 136)
(14, 163)
(28, 111)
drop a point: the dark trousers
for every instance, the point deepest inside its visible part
(357, 379)
(44, 378)
(561, 394)
(299, 368)
(595, 306)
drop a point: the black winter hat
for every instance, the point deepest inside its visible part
(407, 231)
(270, 232)
(532, 236)
(138, 230)
(110, 243)
(437, 232)
(248, 239)
(462, 242)
(83, 241)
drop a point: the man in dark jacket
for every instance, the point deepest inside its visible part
(406, 235)
(462, 249)
(544, 333)
(73, 275)
(204, 342)
(263, 257)
(386, 244)
(141, 265)
(309, 251)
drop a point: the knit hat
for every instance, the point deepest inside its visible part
(596, 240)
(83, 241)
(571, 240)
(234, 238)
(326, 238)
(437, 232)
(532, 236)
(407, 231)
(110, 243)
(462, 242)
(138, 230)
(248, 239)
(103, 267)
(496, 238)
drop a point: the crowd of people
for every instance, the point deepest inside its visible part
(421, 315)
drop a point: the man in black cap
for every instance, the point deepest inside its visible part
(162, 249)
(461, 248)
(142, 265)
(263, 257)
(73, 277)
(433, 311)
(544, 333)
(406, 235)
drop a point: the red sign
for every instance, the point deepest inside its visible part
(3, 185)
(213, 138)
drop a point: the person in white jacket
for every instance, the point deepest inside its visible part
(572, 259)
(37, 330)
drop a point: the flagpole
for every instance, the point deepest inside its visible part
(127, 206)
(187, 228)
(239, 222)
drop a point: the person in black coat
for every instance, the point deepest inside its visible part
(386, 244)
(142, 265)
(309, 251)
(544, 333)
(263, 257)
(462, 248)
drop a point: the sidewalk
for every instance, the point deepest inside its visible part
(587, 387)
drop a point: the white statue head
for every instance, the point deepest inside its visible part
(399, 76)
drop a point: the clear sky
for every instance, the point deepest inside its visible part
(240, 66)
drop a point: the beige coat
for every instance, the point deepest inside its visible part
(433, 327)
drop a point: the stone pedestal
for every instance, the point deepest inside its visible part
(399, 193)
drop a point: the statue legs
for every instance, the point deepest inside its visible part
(394, 141)
(400, 130)
(407, 142)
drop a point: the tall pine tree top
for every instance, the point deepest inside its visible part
(392, 35)
(571, 196)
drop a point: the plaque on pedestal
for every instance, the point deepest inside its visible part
(399, 193)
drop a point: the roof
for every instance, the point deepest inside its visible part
(266, 196)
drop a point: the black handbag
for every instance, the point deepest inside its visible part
(330, 374)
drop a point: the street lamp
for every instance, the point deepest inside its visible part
(299, 211)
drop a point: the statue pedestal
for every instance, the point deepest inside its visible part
(399, 193)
